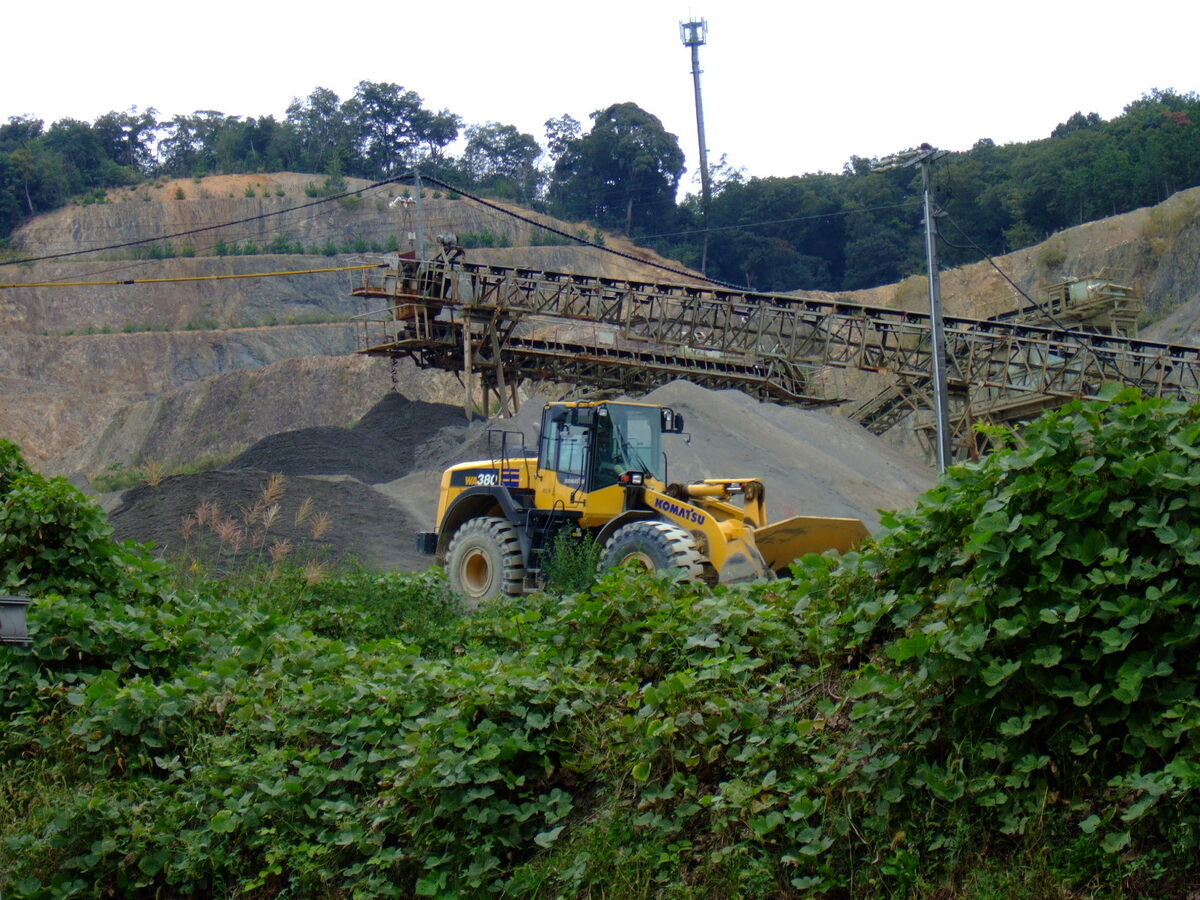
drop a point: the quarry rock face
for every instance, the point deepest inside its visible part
(90, 372)
(117, 374)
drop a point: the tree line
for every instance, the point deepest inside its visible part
(857, 228)
(827, 231)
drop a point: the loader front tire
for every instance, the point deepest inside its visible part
(484, 560)
(653, 546)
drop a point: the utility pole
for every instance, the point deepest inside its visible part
(694, 34)
(420, 217)
(924, 156)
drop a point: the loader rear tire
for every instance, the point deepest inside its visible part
(655, 546)
(484, 560)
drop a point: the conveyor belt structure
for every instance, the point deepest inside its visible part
(499, 325)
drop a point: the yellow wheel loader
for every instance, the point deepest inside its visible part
(600, 470)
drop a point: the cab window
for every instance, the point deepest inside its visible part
(563, 447)
(627, 440)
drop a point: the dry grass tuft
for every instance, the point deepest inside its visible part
(274, 489)
(154, 472)
(280, 550)
(231, 533)
(208, 513)
(320, 525)
(250, 529)
(313, 572)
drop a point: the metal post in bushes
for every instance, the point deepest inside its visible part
(13, 629)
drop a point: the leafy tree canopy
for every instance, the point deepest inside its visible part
(625, 171)
(849, 230)
(504, 159)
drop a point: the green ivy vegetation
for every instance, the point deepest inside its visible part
(997, 699)
(571, 563)
(53, 541)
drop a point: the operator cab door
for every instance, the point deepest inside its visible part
(583, 450)
(572, 451)
(565, 447)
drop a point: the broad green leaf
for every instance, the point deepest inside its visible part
(546, 838)
(1115, 841)
(996, 671)
(225, 821)
(1047, 656)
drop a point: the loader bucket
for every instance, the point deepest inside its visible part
(742, 563)
(789, 539)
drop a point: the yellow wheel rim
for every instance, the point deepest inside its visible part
(639, 560)
(476, 573)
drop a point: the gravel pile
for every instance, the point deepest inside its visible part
(813, 463)
(378, 481)
(324, 519)
(383, 446)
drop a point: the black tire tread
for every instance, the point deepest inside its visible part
(503, 536)
(678, 547)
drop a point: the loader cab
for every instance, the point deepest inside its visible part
(589, 445)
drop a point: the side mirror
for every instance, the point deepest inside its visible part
(583, 415)
(672, 422)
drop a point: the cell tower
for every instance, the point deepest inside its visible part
(694, 34)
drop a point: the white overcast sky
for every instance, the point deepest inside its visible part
(789, 87)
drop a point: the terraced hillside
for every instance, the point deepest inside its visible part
(90, 370)
(104, 376)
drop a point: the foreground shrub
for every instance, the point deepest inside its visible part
(358, 605)
(1026, 647)
(571, 563)
(997, 699)
(54, 540)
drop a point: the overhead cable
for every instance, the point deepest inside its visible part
(50, 284)
(204, 228)
(583, 241)
(1102, 358)
(738, 227)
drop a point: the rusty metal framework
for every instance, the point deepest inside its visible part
(501, 324)
(1088, 303)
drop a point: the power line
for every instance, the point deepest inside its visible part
(583, 241)
(44, 284)
(1054, 320)
(178, 234)
(574, 238)
(291, 222)
(828, 215)
(974, 246)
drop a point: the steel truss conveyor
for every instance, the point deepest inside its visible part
(501, 324)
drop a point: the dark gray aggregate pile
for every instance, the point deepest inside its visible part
(378, 481)
(362, 523)
(382, 446)
(330, 466)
